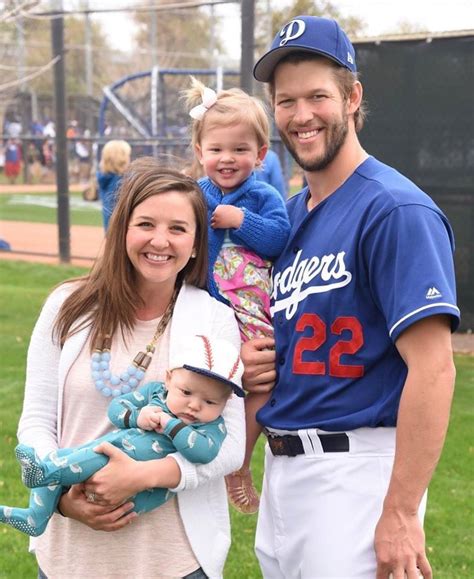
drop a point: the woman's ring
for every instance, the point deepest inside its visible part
(91, 497)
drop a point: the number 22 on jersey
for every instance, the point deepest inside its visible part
(312, 343)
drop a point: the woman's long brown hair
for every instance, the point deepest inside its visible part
(107, 298)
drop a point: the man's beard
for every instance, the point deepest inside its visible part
(335, 137)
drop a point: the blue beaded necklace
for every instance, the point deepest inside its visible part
(109, 384)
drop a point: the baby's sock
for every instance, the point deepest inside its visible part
(32, 474)
(34, 519)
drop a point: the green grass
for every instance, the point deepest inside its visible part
(449, 520)
(23, 288)
(41, 208)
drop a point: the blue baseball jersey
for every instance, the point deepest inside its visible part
(367, 262)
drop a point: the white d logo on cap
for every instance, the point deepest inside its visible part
(292, 30)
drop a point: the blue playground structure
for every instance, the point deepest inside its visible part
(148, 101)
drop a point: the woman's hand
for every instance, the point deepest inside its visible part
(75, 505)
(124, 477)
(117, 481)
(258, 357)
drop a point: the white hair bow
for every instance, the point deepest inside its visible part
(209, 98)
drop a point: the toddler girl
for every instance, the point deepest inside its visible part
(248, 227)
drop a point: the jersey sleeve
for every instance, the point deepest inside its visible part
(411, 268)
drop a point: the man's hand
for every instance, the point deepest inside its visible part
(227, 216)
(149, 418)
(258, 358)
(400, 547)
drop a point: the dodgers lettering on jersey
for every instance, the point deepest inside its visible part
(361, 267)
(308, 276)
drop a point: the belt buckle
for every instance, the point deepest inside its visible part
(277, 446)
(280, 445)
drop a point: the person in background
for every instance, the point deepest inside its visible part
(114, 160)
(271, 172)
(13, 128)
(2, 157)
(12, 160)
(143, 294)
(49, 129)
(49, 145)
(363, 305)
(36, 129)
(248, 228)
(82, 153)
(72, 132)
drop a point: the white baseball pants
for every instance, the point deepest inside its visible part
(319, 510)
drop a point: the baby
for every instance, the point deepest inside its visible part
(181, 415)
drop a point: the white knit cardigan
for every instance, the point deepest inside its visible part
(206, 523)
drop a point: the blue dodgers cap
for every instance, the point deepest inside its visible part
(307, 34)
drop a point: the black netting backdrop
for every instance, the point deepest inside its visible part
(421, 121)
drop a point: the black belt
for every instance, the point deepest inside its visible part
(289, 445)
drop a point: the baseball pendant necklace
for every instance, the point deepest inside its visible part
(109, 384)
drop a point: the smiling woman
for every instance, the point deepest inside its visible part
(144, 289)
(160, 242)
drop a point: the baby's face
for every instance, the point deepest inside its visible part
(193, 397)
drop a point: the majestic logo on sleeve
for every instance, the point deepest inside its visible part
(305, 277)
(433, 294)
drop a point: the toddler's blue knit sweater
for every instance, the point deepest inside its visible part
(264, 230)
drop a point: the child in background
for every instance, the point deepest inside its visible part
(248, 227)
(182, 415)
(12, 160)
(114, 161)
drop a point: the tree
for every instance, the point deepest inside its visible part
(37, 52)
(184, 38)
(407, 27)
